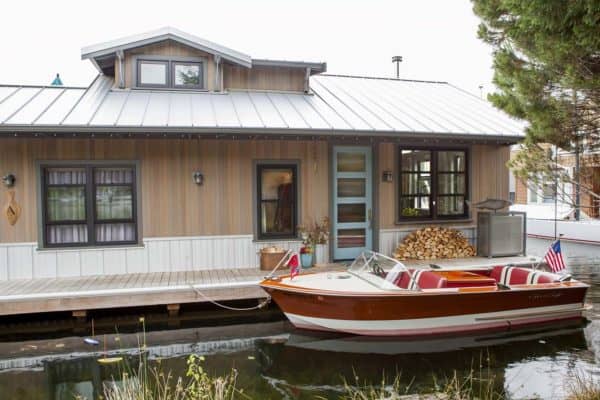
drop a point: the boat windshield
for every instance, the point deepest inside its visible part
(377, 269)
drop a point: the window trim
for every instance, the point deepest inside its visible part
(90, 203)
(434, 197)
(139, 83)
(259, 166)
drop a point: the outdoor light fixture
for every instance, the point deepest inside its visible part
(198, 178)
(388, 176)
(9, 180)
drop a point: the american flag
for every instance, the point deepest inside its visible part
(554, 257)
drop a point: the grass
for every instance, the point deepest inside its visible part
(583, 386)
(151, 383)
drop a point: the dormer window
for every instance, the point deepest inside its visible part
(153, 73)
(185, 73)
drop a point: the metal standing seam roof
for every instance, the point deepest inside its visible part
(336, 105)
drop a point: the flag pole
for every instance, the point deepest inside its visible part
(555, 192)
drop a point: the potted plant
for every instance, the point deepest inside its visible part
(306, 256)
(312, 235)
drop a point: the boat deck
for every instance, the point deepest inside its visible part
(79, 294)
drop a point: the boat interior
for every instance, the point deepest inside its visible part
(499, 276)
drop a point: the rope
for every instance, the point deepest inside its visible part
(216, 303)
(257, 307)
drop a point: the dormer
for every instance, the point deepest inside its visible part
(170, 59)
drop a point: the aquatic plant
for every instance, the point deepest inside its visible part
(583, 386)
(152, 383)
(383, 391)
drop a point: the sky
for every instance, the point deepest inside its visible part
(436, 38)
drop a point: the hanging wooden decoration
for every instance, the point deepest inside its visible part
(12, 209)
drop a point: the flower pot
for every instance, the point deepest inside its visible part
(306, 260)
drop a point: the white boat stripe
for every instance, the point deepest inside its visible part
(429, 323)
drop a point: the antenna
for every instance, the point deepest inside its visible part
(397, 60)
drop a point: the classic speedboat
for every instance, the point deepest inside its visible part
(379, 296)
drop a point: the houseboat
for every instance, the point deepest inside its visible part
(186, 155)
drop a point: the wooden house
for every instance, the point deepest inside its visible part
(184, 154)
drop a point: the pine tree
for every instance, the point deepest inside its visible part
(547, 71)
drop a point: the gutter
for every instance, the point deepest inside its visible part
(165, 131)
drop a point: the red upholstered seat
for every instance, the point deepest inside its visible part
(521, 276)
(425, 280)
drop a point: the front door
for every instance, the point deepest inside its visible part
(352, 202)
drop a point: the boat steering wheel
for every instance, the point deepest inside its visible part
(377, 270)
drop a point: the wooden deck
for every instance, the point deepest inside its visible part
(80, 294)
(132, 290)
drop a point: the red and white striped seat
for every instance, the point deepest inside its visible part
(420, 279)
(520, 276)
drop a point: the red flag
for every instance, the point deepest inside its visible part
(294, 264)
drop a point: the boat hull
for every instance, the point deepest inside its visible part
(410, 314)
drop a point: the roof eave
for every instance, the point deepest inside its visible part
(89, 52)
(315, 67)
(15, 130)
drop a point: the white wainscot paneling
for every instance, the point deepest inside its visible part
(24, 261)
(3, 263)
(68, 263)
(115, 261)
(181, 255)
(92, 262)
(137, 260)
(159, 255)
(20, 262)
(45, 264)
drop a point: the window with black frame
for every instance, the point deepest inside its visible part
(276, 201)
(89, 205)
(433, 184)
(176, 74)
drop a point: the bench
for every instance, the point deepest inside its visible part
(520, 276)
(421, 279)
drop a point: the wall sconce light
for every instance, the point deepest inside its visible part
(9, 180)
(198, 178)
(388, 176)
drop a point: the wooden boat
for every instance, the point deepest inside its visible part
(379, 296)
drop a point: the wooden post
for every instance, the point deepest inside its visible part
(173, 309)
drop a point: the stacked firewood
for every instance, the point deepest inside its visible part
(433, 243)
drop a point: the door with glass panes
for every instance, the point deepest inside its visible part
(352, 221)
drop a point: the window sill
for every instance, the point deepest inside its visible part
(169, 89)
(90, 248)
(435, 221)
(267, 240)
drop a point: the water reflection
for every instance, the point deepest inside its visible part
(307, 360)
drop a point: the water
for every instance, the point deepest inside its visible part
(276, 361)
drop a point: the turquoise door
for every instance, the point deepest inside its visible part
(352, 202)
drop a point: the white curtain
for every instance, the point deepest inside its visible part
(115, 232)
(67, 234)
(65, 203)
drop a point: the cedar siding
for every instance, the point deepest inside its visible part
(172, 204)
